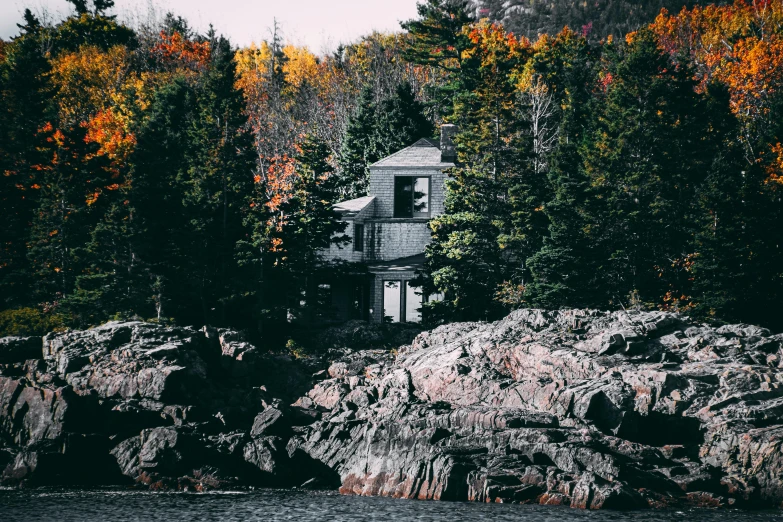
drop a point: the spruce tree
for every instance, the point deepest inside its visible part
(156, 208)
(61, 226)
(563, 270)
(215, 186)
(377, 130)
(400, 122)
(648, 152)
(437, 39)
(24, 108)
(357, 148)
(735, 277)
(288, 251)
(479, 247)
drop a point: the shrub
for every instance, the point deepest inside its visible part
(30, 321)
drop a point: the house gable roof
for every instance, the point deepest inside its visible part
(425, 153)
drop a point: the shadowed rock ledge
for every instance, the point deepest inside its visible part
(582, 408)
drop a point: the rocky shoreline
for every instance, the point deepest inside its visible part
(581, 408)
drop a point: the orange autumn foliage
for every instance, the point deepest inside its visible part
(740, 45)
(491, 41)
(177, 49)
(99, 91)
(108, 129)
(775, 166)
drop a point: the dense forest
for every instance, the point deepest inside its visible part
(596, 19)
(155, 172)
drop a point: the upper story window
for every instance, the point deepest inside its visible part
(411, 197)
(358, 237)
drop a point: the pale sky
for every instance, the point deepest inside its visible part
(319, 24)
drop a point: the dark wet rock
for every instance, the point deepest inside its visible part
(271, 421)
(165, 407)
(580, 408)
(576, 407)
(362, 335)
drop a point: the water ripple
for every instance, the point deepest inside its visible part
(58, 505)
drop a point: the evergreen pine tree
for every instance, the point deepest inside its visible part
(357, 152)
(379, 129)
(437, 39)
(400, 123)
(156, 208)
(215, 187)
(648, 153)
(563, 270)
(479, 247)
(24, 108)
(735, 277)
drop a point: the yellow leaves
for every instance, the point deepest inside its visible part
(90, 80)
(253, 65)
(301, 66)
(97, 90)
(53, 233)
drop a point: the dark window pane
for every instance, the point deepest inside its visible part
(421, 197)
(392, 296)
(358, 237)
(403, 197)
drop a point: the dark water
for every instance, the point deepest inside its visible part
(274, 505)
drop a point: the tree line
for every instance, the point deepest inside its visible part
(159, 173)
(596, 19)
(154, 172)
(610, 174)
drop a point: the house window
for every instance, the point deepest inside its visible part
(401, 302)
(411, 197)
(412, 304)
(358, 237)
(392, 301)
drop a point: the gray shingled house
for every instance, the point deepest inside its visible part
(390, 232)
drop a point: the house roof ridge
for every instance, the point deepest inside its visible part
(392, 155)
(428, 141)
(425, 153)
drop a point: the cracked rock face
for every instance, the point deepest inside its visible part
(580, 408)
(588, 409)
(161, 407)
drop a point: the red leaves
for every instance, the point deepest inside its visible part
(175, 48)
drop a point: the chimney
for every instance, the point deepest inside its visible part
(448, 152)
